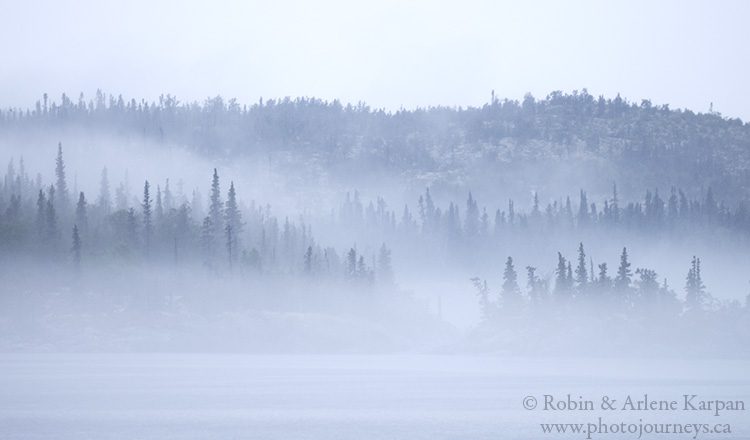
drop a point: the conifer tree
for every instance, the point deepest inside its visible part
(385, 268)
(105, 199)
(159, 208)
(583, 214)
(168, 198)
(534, 285)
(61, 185)
(695, 290)
(76, 250)
(361, 268)
(614, 206)
(148, 227)
(603, 281)
(471, 225)
(709, 206)
(351, 263)
(485, 223)
(483, 292)
(216, 207)
(51, 215)
(81, 213)
(624, 274)
(499, 222)
(232, 214)
(41, 214)
(673, 207)
(535, 209)
(648, 286)
(511, 292)
(229, 244)
(561, 276)
(582, 276)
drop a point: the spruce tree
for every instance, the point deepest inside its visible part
(232, 214)
(624, 274)
(483, 292)
(51, 216)
(361, 268)
(351, 263)
(385, 268)
(499, 222)
(614, 206)
(148, 227)
(61, 185)
(216, 207)
(76, 250)
(583, 213)
(168, 199)
(561, 278)
(105, 199)
(648, 286)
(673, 207)
(159, 208)
(535, 209)
(534, 285)
(41, 214)
(695, 290)
(582, 276)
(511, 292)
(603, 281)
(229, 234)
(471, 224)
(484, 228)
(82, 220)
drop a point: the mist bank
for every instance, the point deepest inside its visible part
(301, 225)
(126, 307)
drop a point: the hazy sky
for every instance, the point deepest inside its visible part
(387, 53)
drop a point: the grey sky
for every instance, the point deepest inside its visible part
(387, 53)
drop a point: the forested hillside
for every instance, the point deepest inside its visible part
(572, 140)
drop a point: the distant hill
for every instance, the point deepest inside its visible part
(565, 140)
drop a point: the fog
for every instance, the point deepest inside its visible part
(372, 220)
(390, 237)
(194, 396)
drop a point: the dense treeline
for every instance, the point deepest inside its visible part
(462, 225)
(163, 223)
(53, 222)
(652, 145)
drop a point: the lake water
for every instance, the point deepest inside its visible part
(218, 396)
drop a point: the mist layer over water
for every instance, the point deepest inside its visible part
(335, 397)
